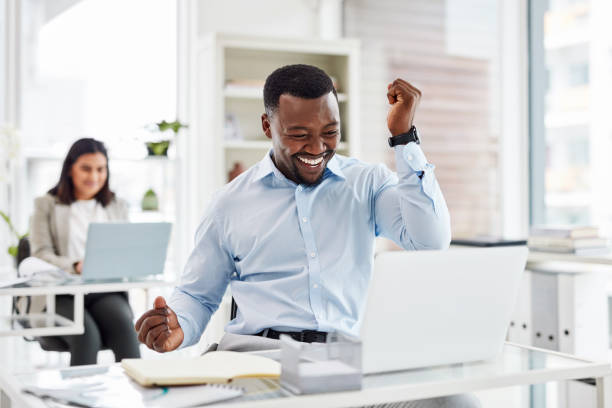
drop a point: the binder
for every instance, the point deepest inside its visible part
(545, 310)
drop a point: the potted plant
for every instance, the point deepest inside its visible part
(159, 146)
(149, 201)
(13, 249)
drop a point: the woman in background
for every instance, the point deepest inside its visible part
(58, 234)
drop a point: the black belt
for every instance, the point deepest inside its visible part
(307, 336)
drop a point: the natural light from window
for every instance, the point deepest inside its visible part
(98, 68)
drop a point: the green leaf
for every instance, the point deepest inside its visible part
(5, 217)
(12, 250)
(174, 126)
(9, 223)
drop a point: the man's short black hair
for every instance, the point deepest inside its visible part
(303, 81)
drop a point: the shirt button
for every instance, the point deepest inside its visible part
(410, 157)
(305, 219)
(315, 286)
(312, 255)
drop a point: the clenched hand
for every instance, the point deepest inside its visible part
(404, 99)
(159, 328)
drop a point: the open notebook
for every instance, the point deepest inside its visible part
(217, 367)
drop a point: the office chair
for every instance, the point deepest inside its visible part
(47, 343)
(233, 309)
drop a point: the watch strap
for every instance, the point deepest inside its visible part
(405, 138)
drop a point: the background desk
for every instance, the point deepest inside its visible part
(540, 256)
(563, 306)
(51, 324)
(516, 365)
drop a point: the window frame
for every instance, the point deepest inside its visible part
(537, 80)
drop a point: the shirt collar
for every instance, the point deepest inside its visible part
(334, 167)
(266, 167)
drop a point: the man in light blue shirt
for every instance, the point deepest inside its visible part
(293, 236)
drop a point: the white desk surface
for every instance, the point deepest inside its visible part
(74, 286)
(540, 256)
(516, 365)
(51, 324)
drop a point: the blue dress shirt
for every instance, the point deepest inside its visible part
(299, 257)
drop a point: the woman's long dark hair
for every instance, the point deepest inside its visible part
(64, 189)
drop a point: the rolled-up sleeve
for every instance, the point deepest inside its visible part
(410, 208)
(203, 282)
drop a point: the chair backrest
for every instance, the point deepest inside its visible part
(233, 310)
(21, 304)
(23, 249)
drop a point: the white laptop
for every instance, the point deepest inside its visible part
(125, 250)
(428, 308)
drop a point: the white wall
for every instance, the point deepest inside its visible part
(285, 18)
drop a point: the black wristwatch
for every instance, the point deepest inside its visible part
(410, 136)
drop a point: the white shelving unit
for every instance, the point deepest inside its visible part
(231, 70)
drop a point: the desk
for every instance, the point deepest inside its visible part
(51, 324)
(516, 365)
(540, 256)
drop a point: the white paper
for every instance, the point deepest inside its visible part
(37, 269)
(12, 282)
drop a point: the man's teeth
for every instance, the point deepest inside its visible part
(312, 162)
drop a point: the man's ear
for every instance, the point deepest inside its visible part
(265, 125)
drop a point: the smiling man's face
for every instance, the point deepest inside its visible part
(304, 133)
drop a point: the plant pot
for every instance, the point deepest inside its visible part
(158, 148)
(149, 201)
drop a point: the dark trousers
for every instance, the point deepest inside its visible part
(108, 324)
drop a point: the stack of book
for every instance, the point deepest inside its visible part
(578, 240)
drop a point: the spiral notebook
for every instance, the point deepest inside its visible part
(217, 367)
(100, 396)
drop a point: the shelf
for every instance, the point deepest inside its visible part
(261, 145)
(150, 216)
(247, 144)
(41, 156)
(256, 93)
(240, 65)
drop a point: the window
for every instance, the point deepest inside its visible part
(104, 69)
(3, 61)
(449, 49)
(570, 130)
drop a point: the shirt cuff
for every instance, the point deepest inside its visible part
(187, 332)
(409, 158)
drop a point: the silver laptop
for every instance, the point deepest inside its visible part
(125, 250)
(428, 308)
